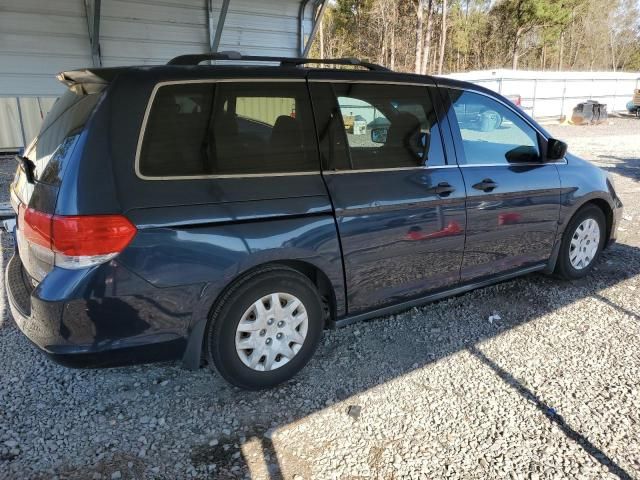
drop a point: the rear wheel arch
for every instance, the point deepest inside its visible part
(321, 281)
(217, 345)
(315, 274)
(193, 355)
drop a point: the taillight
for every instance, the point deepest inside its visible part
(37, 227)
(77, 241)
(91, 235)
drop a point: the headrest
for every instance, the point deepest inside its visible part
(403, 127)
(286, 132)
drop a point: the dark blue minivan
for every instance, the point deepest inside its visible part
(227, 214)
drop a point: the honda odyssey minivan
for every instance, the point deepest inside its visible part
(227, 214)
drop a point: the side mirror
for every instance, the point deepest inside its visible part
(379, 135)
(556, 149)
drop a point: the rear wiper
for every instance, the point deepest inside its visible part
(28, 167)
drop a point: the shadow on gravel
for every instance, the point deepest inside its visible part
(380, 355)
(617, 307)
(627, 166)
(351, 361)
(551, 414)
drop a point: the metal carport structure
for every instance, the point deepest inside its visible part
(39, 39)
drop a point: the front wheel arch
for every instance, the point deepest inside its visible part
(608, 215)
(562, 267)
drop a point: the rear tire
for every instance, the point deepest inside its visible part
(256, 344)
(582, 243)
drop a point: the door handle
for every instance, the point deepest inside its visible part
(442, 189)
(485, 185)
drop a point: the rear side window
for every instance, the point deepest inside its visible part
(386, 126)
(58, 134)
(492, 133)
(210, 129)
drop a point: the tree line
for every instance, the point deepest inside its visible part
(440, 36)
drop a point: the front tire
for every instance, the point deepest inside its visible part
(265, 328)
(582, 243)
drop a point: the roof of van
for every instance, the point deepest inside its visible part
(102, 76)
(190, 63)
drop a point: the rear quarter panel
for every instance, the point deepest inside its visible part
(191, 249)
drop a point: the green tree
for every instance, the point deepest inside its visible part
(520, 18)
(483, 34)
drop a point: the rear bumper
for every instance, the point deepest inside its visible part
(19, 295)
(90, 332)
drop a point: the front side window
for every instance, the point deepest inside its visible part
(492, 133)
(203, 129)
(386, 126)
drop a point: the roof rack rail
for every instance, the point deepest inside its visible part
(195, 59)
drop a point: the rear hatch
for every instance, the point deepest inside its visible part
(44, 239)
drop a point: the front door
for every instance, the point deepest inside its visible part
(399, 206)
(513, 197)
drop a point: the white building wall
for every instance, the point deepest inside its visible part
(151, 32)
(37, 40)
(267, 28)
(41, 38)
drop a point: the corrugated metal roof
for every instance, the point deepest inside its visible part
(39, 39)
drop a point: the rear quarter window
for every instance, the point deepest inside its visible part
(59, 133)
(196, 130)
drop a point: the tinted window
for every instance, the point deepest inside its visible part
(492, 133)
(359, 117)
(197, 129)
(59, 133)
(375, 126)
(389, 126)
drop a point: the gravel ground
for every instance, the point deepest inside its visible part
(532, 378)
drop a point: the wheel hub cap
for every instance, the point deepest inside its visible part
(584, 244)
(271, 331)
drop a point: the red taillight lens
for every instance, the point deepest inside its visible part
(76, 236)
(36, 227)
(91, 235)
